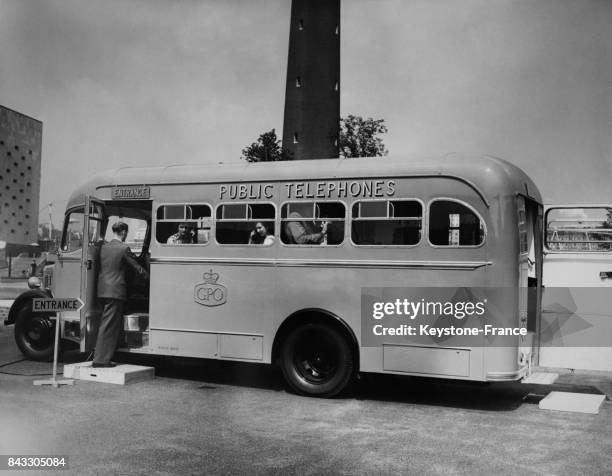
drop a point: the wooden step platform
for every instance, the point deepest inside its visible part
(120, 375)
(572, 402)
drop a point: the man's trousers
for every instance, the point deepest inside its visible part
(109, 330)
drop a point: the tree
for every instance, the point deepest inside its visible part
(267, 148)
(360, 137)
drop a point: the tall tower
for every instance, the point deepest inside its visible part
(312, 95)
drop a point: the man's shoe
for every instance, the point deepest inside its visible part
(110, 364)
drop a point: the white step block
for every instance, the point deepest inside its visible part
(572, 402)
(120, 375)
(541, 378)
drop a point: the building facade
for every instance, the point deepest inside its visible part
(312, 97)
(20, 155)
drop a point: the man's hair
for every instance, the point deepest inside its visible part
(119, 227)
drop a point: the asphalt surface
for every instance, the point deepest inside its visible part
(203, 417)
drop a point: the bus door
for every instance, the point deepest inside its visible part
(530, 276)
(577, 304)
(91, 311)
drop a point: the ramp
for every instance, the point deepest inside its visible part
(572, 402)
(122, 374)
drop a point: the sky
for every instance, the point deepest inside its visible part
(152, 82)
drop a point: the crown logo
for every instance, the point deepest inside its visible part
(210, 277)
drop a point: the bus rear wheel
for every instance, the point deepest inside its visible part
(34, 334)
(316, 360)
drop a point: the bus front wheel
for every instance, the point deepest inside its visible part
(34, 334)
(316, 360)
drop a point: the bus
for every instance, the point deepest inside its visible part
(339, 235)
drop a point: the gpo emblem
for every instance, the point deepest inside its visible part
(210, 293)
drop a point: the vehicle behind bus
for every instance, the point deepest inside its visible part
(577, 316)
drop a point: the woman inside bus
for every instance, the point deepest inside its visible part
(184, 235)
(260, 236)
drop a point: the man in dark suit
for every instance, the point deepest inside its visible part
(115, 258)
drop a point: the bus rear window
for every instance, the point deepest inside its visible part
(382, 222)
(454, 224)
(579, 229)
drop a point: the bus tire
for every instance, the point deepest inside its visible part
(316, 360)
(34, 333)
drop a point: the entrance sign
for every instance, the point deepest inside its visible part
(130, 192)
(56, 304)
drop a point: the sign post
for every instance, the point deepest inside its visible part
(57, 305)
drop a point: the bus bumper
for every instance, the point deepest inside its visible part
(508, 376)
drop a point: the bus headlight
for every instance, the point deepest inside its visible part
(34, 282)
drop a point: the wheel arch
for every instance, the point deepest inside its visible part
(22, 299)
(312, 316)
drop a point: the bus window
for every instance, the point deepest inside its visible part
(183, 224)
(72, 238)
(579, 229)
(302, 222)
(245, 224)
(95, 222)
(387, 222)
(454, 224)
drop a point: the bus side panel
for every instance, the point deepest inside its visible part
(211, 310)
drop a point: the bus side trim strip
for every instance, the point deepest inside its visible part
(197, 331)
(326, 263)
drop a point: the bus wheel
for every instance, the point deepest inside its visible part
(316, 360)
(34, 334)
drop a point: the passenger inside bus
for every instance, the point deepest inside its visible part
(260, 236)
(184, 235)
(300, 232)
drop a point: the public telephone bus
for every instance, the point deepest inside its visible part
(333, 228)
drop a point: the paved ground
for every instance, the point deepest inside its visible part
(201, 417)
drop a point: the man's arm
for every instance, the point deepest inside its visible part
(299, 235)
(130, 259)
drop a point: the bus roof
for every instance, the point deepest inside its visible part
(489, 176)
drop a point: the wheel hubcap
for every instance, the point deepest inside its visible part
(316, 359)
(39, 333)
